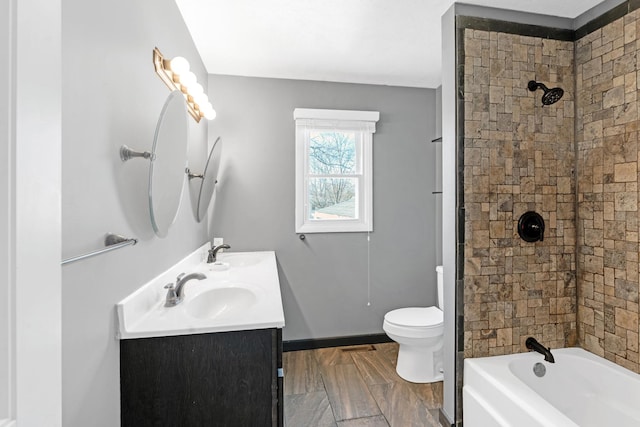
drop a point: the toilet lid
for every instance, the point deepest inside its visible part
(416, 316)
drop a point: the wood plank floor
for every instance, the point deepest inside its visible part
(355, 386)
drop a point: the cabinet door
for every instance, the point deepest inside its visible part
(278, 400)
(221, 379)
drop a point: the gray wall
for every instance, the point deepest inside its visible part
(112, 96)
(438, 176)
(324, 278)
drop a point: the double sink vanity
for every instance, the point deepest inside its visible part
(215, 358)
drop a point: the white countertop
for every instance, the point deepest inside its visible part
(143, 314)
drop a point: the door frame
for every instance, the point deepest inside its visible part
(30, 194)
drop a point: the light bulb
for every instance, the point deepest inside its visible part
(188, 79)
(179, 65)
(195, 90)
(201, 99)
(209, 113)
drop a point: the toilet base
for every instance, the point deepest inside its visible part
(419, 364)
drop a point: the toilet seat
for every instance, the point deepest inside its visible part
(419, 317)
(415, 322)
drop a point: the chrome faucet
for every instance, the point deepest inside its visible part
(175, 293)
(213, 252)
(534, 345)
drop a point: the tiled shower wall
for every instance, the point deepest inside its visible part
(518, 156)
(607, 152)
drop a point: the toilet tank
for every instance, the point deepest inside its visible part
(440, 291)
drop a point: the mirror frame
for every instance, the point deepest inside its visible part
(209, 175)
(174, 113)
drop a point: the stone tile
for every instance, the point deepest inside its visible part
(533, 173)
(613, 97)
(592, 68)
(530, 155)
(626, 319)
(626, 172)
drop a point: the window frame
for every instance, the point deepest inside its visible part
(361, 122)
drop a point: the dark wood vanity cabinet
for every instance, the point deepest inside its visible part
(216, 379)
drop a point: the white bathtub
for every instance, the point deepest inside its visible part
(580, 389)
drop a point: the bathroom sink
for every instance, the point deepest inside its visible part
(233, 260)
(218, 266)
(218, 302)
(239, 259)
(229, 299)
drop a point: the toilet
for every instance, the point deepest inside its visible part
(420, 332)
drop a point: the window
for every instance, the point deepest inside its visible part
(334, 170)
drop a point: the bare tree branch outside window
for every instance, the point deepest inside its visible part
(332, 153)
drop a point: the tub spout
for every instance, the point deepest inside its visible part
(534, 345)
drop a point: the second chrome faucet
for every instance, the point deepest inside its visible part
(213, 252)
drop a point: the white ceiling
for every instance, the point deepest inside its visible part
(387, 42)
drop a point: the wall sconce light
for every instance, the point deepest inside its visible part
(176, 75)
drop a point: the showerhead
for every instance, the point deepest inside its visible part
(550, 96)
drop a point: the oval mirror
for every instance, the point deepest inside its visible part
(209, 179)
(168, 162)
